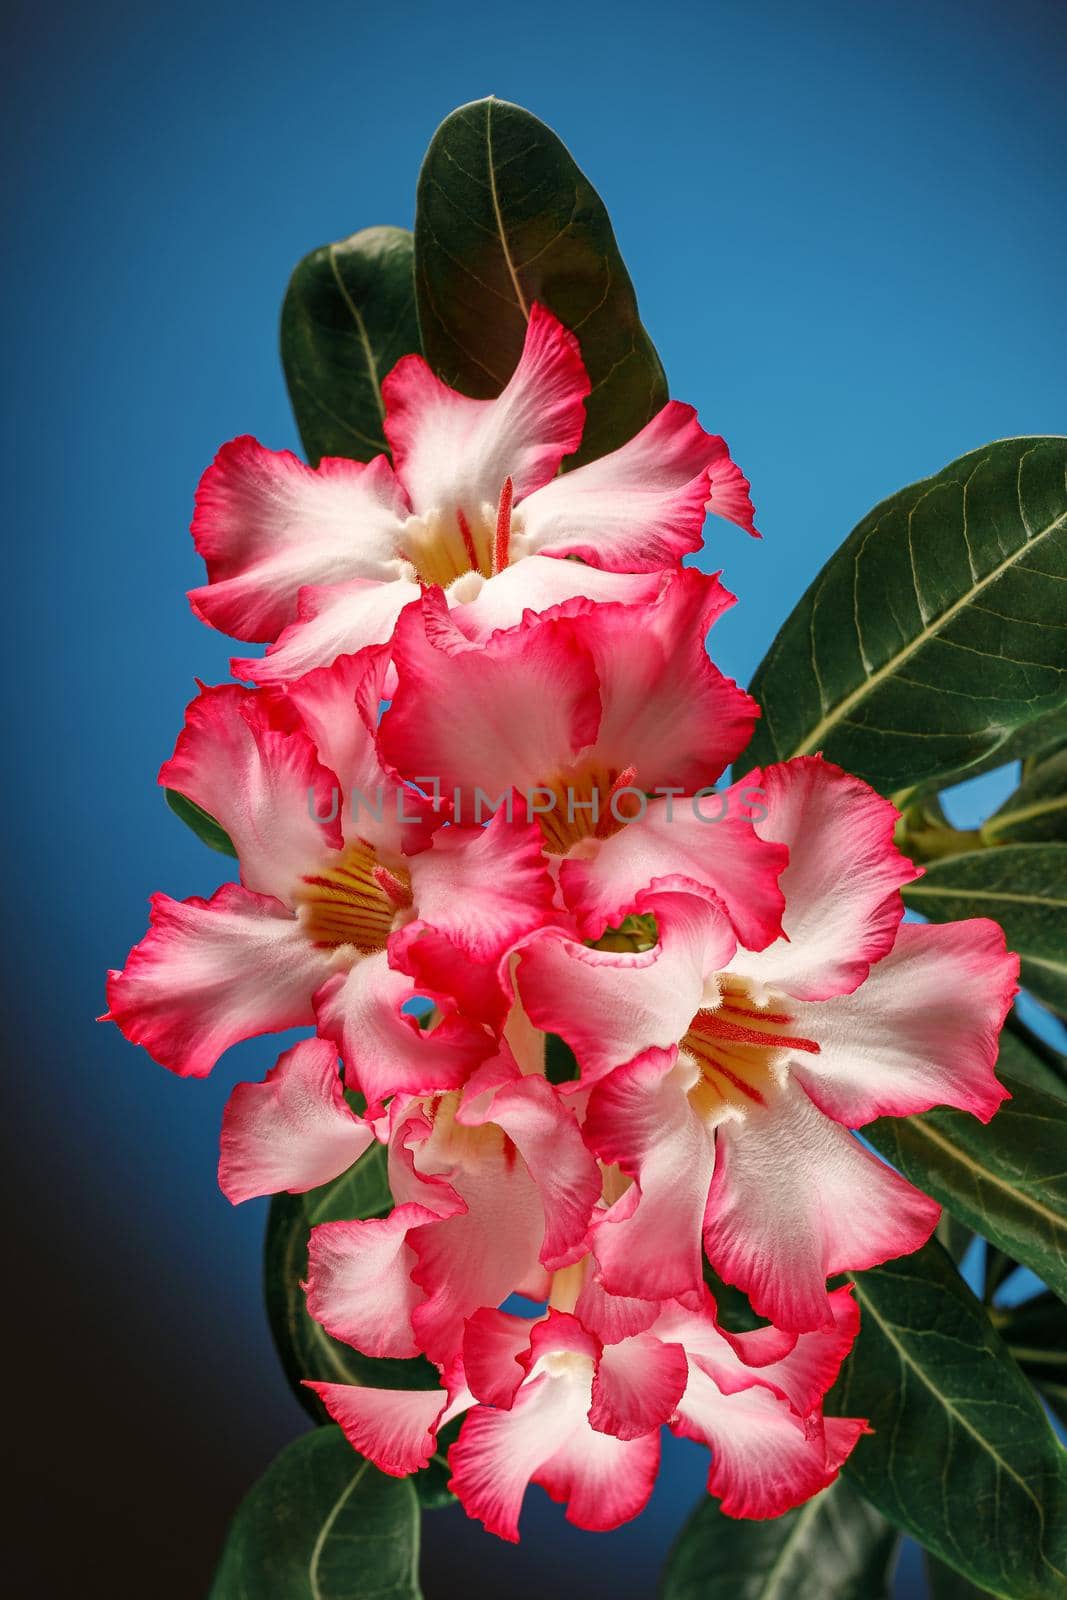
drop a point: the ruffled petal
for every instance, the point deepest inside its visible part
(639, 508)
(359, 1279)
(260, 782)
(394, 1428)
(795, 1199)
(603, 1480)
(922, 1031)
(648, 1244)
(452, 452)
(293, 1131)
(538, 583)
(708, 846)
(638, 1385)
(209, 973)
(609, 1005)
(497, 714)
(842, 884)
(385, 1051)
(331, 620)
(266, 525)
(496, 1348)
(765, 1459)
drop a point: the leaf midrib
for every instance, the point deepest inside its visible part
(986, 1174)
(930, 631)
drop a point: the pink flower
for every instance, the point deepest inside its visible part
(585, 712)
(307, 935)
(494, 1190)
(322, 561)
(550, 1401)
(724, 1081)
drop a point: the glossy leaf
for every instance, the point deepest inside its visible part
(936, 631)
(322, 1524)
(837, 1546)
(1026, 1056)
(1038, 808)
(1006, 1179)
(348, 317)
(505, 218)
(1021, 886)
(948, 1585)
(1029, 743)
(206, 828)
(963, 1455)
(1036, 1334)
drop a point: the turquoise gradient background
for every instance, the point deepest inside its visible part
(847, 229)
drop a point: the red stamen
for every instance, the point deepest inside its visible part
(747, 1089)
(607, 819)
(715, 1027)
(468, 539)
(503, 527)
(392, 887)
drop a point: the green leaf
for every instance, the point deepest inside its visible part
(1038, 808)
(1024, 1055)
(1036, 1334)
(836, 1547)
(948, 1585)
(963, 1456)
(1005, 1178)
(322, 1524)
(205, 827)
(348, 317)
(936, 631)
(1021, 886)
(304, 1347)
(504, 219)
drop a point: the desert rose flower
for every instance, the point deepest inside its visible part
(548, 1401)
(582, 713)
(494, 1189)
(304, 937)
(725, 1080)
(322, 561)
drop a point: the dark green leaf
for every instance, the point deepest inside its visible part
(836, 1547)
(1021, 886)
(504, 219)
(1030, 742)
(205, 827)
(963, 1455)
(1038, 808)
(1023, 1054)
(948, 1585)
(1006, 1179)
(1036, 1334)
(322, 1524)
(348, 317)
(936, 631)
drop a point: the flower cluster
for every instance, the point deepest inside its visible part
(526, 847)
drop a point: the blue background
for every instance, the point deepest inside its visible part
(847, 230)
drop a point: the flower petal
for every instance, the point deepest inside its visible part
(709, 846)
(293, 1131)
(266, 525)
(638, 1385)
(922, 1031)
(538, 583)
(498, 714)
(259, 781)
(394, 1428)
(331, 620)
(452, 452)
(385, 1051)
(794, 1199)
(648, 1244)
(638, 509)
(603, 1480)
(359, 1279)
(842, 884)
(209, 973)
